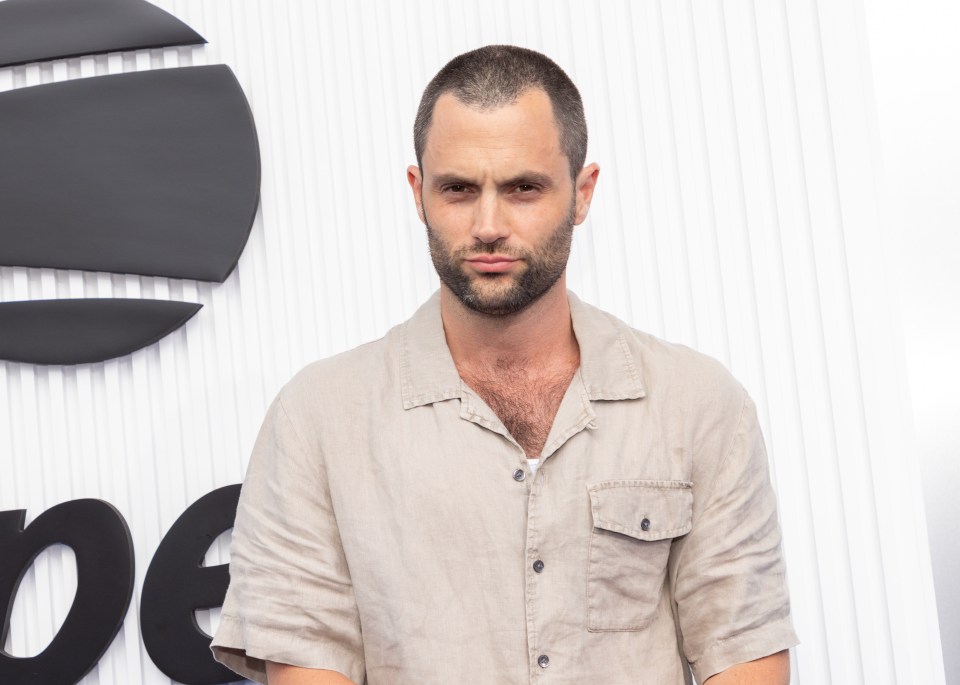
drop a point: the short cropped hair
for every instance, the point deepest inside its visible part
(495, 76)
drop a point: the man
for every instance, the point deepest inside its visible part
(512, 486)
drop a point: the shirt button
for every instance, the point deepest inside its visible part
(644, 524)
(538, 566)
(543, 661)
(519, 475)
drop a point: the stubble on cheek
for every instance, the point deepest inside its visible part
(500, 294)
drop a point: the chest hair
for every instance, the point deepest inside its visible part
(525, 400)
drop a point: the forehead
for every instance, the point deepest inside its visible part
(463, 138)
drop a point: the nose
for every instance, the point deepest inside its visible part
(489, 223)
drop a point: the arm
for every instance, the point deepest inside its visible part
(729, 575)
(770, 670)
(283, 674)
(291, 595)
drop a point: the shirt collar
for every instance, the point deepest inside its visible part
(609, 369)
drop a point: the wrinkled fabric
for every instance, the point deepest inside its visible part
(390, 528)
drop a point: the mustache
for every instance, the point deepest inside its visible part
(498, 246)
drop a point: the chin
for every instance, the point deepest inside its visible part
(500, 304)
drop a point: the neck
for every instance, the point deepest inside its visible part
(541, 334)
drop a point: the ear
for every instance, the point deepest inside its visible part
(583, 189)
(415, 179)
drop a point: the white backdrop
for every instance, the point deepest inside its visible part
(737, 212)
(918, 104)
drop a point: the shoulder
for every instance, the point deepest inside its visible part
(340, 383)
(657, 364)
(682, 383)
(698, 401)
(671, 365)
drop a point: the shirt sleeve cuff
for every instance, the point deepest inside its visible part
(755, 644)
(245, 647)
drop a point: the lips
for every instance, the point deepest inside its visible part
(492, 263)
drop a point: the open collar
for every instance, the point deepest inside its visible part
(610, 371)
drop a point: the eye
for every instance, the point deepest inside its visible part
(525, 188)
(455, 188)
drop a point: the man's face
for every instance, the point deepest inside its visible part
(498, 201)
(497, 279)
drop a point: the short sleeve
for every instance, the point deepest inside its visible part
(290, 598)
(728, 573)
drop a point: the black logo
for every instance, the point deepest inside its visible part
(153, 173)
(176, 585)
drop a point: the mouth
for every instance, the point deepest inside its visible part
(494, 263)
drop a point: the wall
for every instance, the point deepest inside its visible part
(737, 210)
(917, 89)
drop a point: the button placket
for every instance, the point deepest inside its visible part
(533, 592)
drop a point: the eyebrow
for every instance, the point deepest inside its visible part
(449, 179)
(532, 177)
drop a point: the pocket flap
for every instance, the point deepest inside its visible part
(643, 509)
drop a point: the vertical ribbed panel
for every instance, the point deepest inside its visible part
(736, 212)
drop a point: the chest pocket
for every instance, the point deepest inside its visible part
(634, 524)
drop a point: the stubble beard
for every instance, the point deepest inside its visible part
(502, 294)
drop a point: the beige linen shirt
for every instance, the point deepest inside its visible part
(389, 527)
